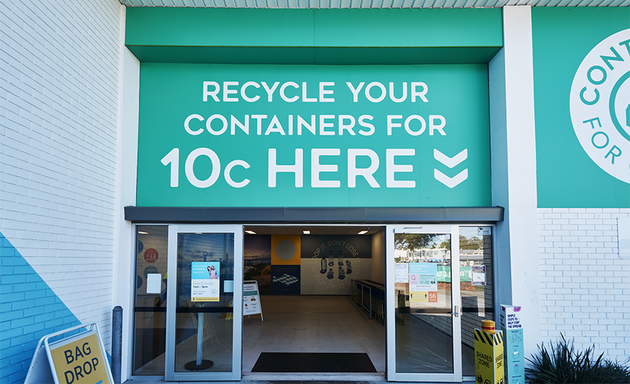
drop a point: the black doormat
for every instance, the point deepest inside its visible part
(313, 362)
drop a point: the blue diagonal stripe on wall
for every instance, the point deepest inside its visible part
(29, 310)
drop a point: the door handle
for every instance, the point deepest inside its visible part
(455, 311)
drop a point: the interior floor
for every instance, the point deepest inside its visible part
(311, 324)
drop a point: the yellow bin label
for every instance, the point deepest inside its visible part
(489, 357)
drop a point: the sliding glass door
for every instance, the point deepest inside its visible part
(423, 310)
(204, 293)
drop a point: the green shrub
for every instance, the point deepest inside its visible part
(562, 364)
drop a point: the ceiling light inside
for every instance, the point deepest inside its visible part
(363, 232)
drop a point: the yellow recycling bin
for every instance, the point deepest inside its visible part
(488, 357)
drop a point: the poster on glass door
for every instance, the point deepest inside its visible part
(402, 273)
(205, 281)
(422, 283)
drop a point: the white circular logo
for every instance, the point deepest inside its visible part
(600, 105)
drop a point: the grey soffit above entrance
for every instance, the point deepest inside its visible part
(375, 4)
(358, 215)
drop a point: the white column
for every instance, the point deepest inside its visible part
(124, 267)
(514, 171)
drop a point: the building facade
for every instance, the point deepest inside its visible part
(116, 117)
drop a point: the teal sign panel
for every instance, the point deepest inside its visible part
(582, 101)
(313, 136)
(313, 36)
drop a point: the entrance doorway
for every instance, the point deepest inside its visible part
(436, 287)
(310, 280)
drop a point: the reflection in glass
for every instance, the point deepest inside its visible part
(423, 293)
(205, 278)
(150, 307)
(475, 265)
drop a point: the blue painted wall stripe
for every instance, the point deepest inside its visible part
(29, 310)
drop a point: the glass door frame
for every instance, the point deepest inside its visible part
(390, 273)
(171, 297)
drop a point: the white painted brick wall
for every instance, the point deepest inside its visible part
(59, 71)
(584, 285)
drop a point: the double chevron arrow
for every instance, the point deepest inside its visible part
(450, 162)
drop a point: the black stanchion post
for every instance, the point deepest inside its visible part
(116, 343)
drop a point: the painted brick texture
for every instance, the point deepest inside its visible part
(30, 310)
(59, 86)
(584, 284)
